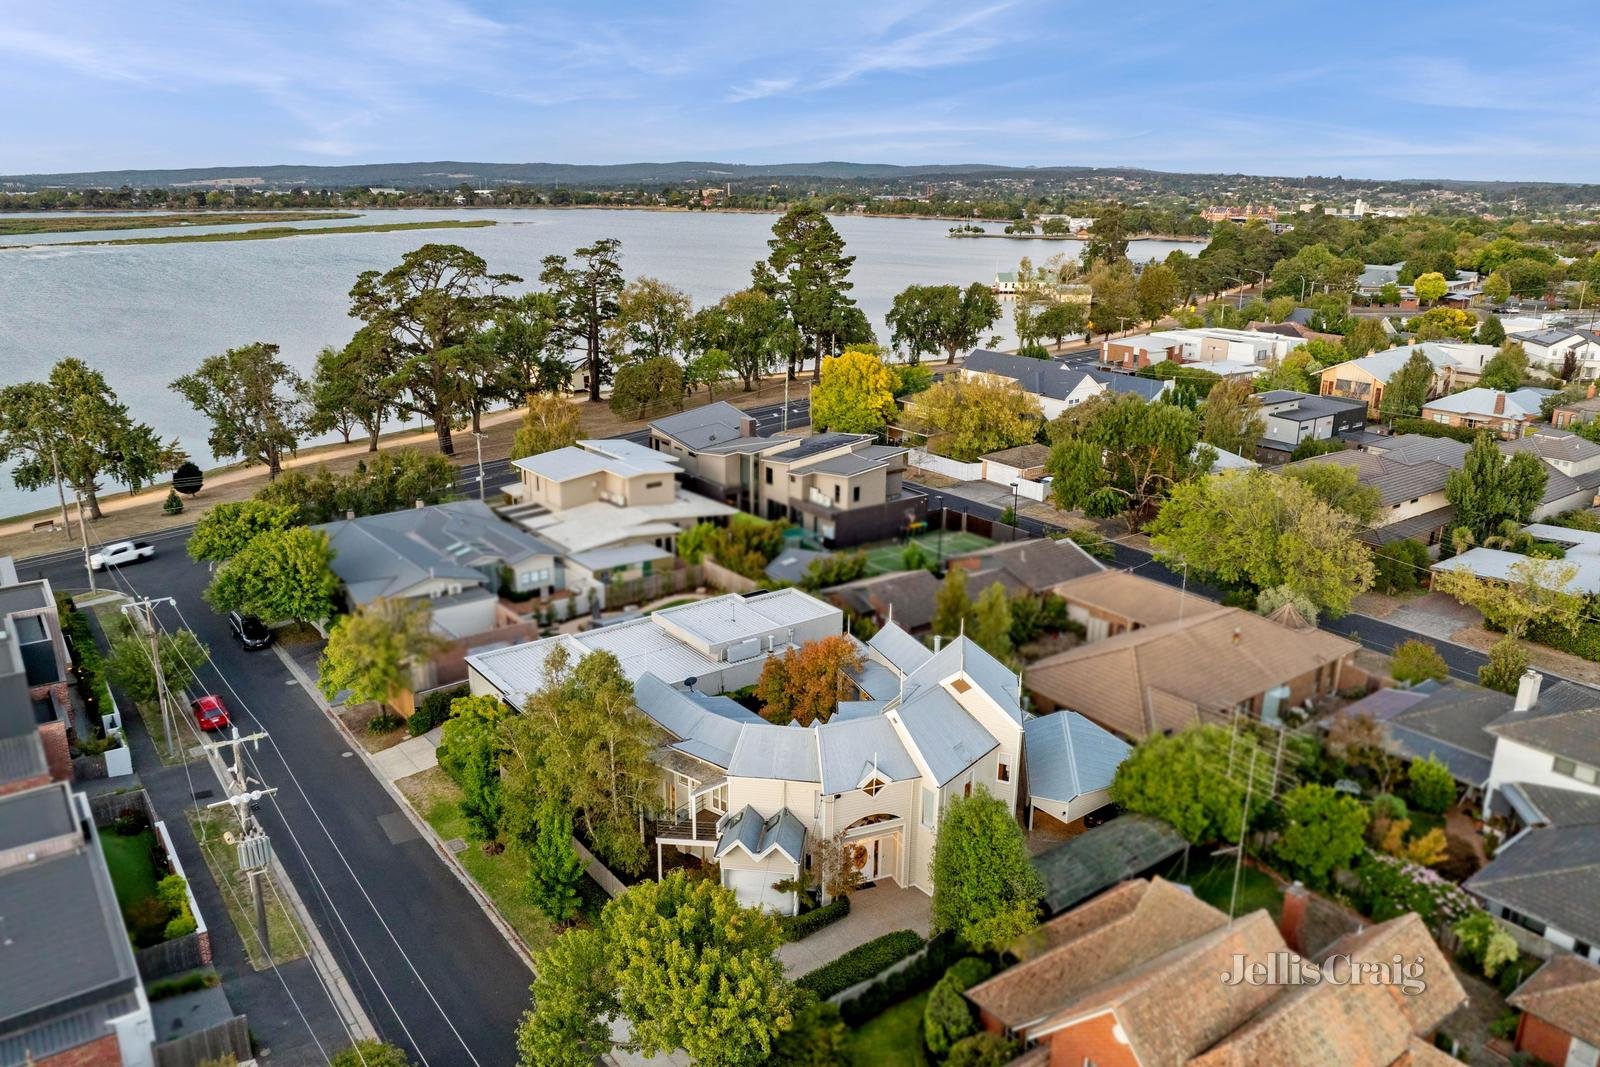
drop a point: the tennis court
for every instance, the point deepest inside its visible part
(886, 556)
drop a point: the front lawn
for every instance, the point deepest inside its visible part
(1211, 878)
(893, 1036)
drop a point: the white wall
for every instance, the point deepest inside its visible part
(1515, 762)
(966, 472)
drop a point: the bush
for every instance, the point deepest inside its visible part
(173, 505)
(799, 927)
(1585, 642)
(188, 479)
(192, 982)
(1412, 424)
(1431, 786)
(913, 978)
(947, 1018)
(1400, 566)
(172, 891)
(434, 709)
(1091, 542)
(1388, 806)
(1417, 661)
(982, 1050)
(1505, 1027)
(861, 963)
(1312, 447)
(836, 569)
(131, 823)
(384, 722)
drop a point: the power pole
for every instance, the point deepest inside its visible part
(147, 614)
(254, 846)
(477, 439)
(1244, 822)
(84, 532)
(61, 493)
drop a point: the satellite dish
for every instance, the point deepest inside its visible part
(688, 683)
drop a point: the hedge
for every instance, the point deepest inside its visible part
(913, 978)
(798, 927)
(1428, 428)
(433, 709)
(1585, 642)
(861, 963)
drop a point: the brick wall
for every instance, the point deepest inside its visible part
(1092, 1040)
(56, 752)
(101, 1052)
(23, 784)
(1538, 1038)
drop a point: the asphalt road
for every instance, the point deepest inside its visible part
(431, 970)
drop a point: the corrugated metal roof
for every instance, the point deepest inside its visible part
(850, 749)
(1068, 756)
(946, 736)
(902, 651)
(783, 832)
(786, 753)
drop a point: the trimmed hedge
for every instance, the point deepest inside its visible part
(911, 979)
(1585, 643)
(861, 963)
(799, 927)
(1428, 428)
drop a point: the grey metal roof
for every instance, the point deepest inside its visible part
(710, 733)
(876, 680)
(1068, 756)
(904, 652)
(700, 428)
(851, 749)
(1147, 388)
(966, 656)
(1545, 338)
(786, 753)
(782, 832)
(1098, 859)
(34, 815)
(1308, 407)
(1548, 874)
(818, 443)
(844, 466)
(948, 739)
(791, 564)
(64, 938)
(1046, 377)
(25, 596)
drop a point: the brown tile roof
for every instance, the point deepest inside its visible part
(1566, 994)
(909, 593)
(1144, 681)
(1035, 565)
(1309, 1026)
(1028, 455)
(1176, 1006)
(1409, 939)
(1132, 597)
(1091, 945)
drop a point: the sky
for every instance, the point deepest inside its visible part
(1468, 90)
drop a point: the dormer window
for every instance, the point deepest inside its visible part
(872, 786)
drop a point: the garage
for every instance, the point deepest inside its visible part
(754, 890)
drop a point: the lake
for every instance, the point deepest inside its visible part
(145, 314)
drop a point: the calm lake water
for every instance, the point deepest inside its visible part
(145, 314)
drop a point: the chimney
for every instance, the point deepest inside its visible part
(937, 641)
(1295, 899)
(1237, 634)
(1499, 402)
(1527, 690)
(747, 426)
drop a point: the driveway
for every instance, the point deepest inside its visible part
(1435, 615)
(874, 912)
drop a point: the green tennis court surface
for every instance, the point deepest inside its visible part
(885, 557)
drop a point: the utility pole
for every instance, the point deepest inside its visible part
(1244, 822)
(785, 403)
(477, 439)
(84, 532)
(61, 493)
(254, 846)
(146, 608)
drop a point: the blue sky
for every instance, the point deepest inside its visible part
(1472, 90)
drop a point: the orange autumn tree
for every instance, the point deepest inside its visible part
(807, 683)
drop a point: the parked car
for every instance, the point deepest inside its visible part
(120, 554)
(210, 712)
(249, 631)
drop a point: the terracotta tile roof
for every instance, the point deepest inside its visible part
(1175, 1006)
(1131, 596)
(1316, 1025)
(1566, 994)
(1408, 938)
(1091, 945)
(1420, 1053)
(1144, 681)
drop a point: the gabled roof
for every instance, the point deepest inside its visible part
(1565, 993)
(1068, 756)
(899, 649)
(1396, 477)
(1407, 937)
(784, 753)
(948, 739)
(759, 837)
(852, 749)
(1565, 720)
(1548, 805)
(586, 458)
(1520, 404)
(1132, 596)
(1548, 874)
(1035, 565)
(701, 429)
(1046, 377)
(1446, 721)
(1556, 445)
(703, 726)
(909, 593)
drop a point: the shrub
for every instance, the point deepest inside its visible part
(913, 978)
(982, 1050)
(173, 505)
(947, 1018)
(384, 722)
(1399, 566)
(836, 569)
(799, 927)
(147, 920)
(1388, 806)
(1431, 786)
(1091, 542)
(1506, 663)
(1412, 424)
(192, 982)
(131, 822)
(173, 894)
(1312, 447)
(1505, 1027)
(861, 963)
(433, 710)
(1417, 661)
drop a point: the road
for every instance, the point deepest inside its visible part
(432, 972)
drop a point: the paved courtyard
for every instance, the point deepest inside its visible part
(874, 912)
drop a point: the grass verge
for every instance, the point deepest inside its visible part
(892, 1036)
(502, 877)
(88, 223)
(284, 934)
(268, 233)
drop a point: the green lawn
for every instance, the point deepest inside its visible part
(1211, 878)
(502, 877)
(894, 1036)
(132, 872)
(884, 558)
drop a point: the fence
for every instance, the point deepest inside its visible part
(950, 468)
(722, 578)
(652, 586)
(172, 957)
(228, 1042)
(107, 808)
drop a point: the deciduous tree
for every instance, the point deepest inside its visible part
(1506, 369)
(967, 418)
(1339, 487)
(1417, 661)
(1430, 287)
(991, 622)
(228, 527)
(280, 574)
(1118, 455)
(371, 652)
(855, 394)
(1230, 418)
(1496, 290)
(554, 868)
(1195, 780)
(806, 684)
(549, 422)
(650, 385)
(1534, 589)
(180, 652)
(1507, 662)
(366, 1053)
(1323, 830)
(1365, 337)
(1492, 487)
(254, 402)
(574, 997)
(985, 889)
(1443, 324)
(1430, 785)
(526, 347)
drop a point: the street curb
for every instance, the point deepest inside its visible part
(427, 832)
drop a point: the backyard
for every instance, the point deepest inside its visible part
(885, 557)
(892, 1036)
(130, 858)
(1211, 878)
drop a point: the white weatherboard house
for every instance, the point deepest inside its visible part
(752, 796)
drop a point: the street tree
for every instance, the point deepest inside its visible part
(582, 743)
(549, 422)
(854, 394)
(280, 574)
(574, 998)
(1268, 531)
(254, 401)
(967, 418)
(227, 528)
(809, 274)
(1157, 291)
(129, 665)
(652, 320)
(1116, 454)
(1339, 487)
(352, 386)
(1534, 590)
(1115, 301)
(1417, 661)
(985, 890)
(373, 651)
(554, 867)
(1507, 663)
(1061, 319)
(588, 293)
(752, 328)
(1491, 487)
(526, 346)
(425, 311)
(369, 1053)
(709, 369)
(1230, 418)
(696, 971)
(1496, 290)
(647, 386)
(805, 685)
(1195, 780)
(1323, 831)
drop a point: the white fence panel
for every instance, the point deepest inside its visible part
(966, 472)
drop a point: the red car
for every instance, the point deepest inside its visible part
(210, 712)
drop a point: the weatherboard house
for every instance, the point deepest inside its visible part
(925, 726)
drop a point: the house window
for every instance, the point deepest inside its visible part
(836, 494)
(855, 494)
(930, 808)
(966, 789)
(1572, 769)
(1003, 772)
(872, 787)
(652, 485)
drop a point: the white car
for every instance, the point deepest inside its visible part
(120, 554)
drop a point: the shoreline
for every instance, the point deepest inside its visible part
(264, 234)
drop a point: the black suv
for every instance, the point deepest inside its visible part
(249, 631)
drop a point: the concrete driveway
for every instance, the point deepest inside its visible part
(874, 912)
(1435, 615)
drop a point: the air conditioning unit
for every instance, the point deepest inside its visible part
(747, 649)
